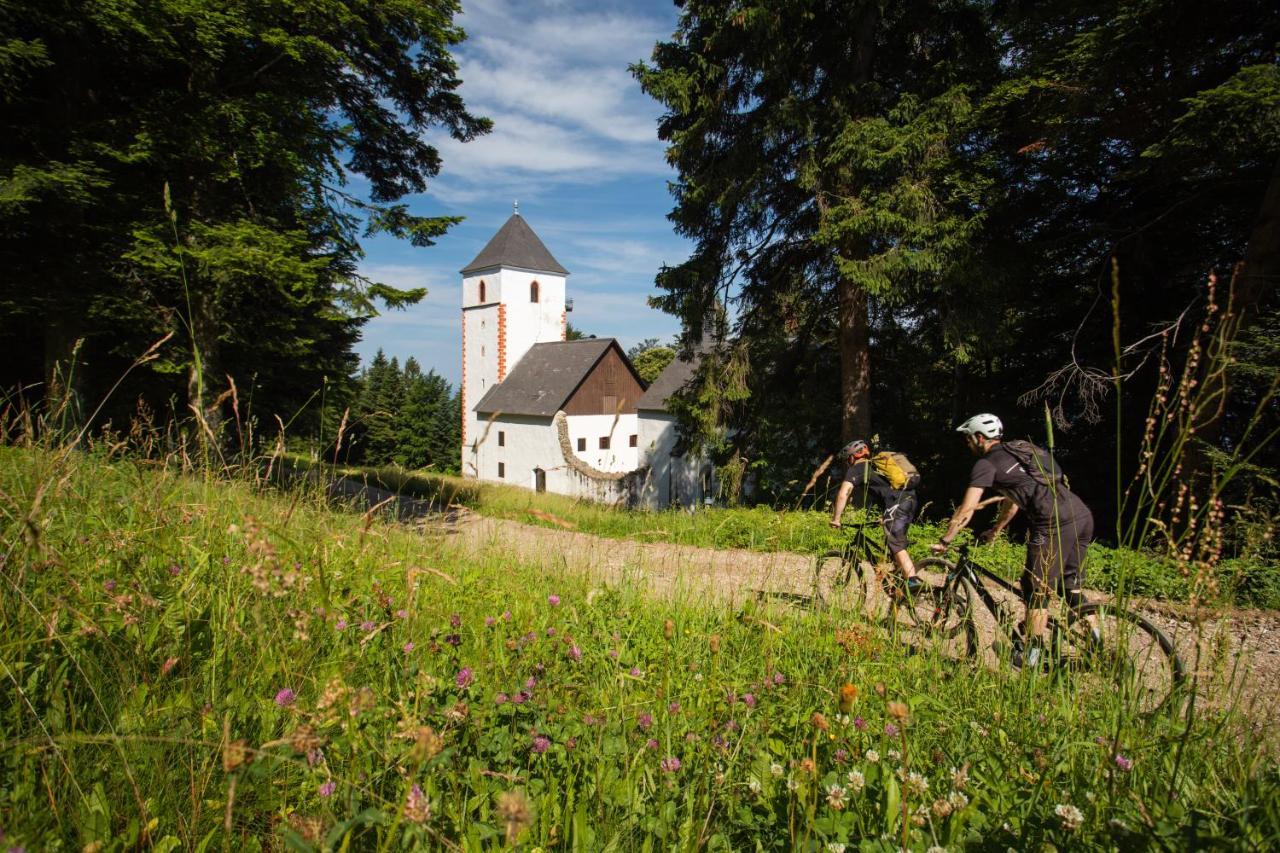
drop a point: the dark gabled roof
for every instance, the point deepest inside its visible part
(515, 245)
(673, 377)
(544, 380)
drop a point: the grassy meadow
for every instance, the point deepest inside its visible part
(196, 663)
(1251, 580)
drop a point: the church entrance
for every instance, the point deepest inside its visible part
(539, 480)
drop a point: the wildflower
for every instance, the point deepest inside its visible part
(941, 808)
(899, 711)
(1123, 763)
(575, 653)
(168, 666)
(732, 726)
(426, 744)
(1070, 816)
(408, 647)
(489, 621)
(960, 777)
(455, 621)
(776, 769)
(856, 780)
(340, 625)
(501, 699)
(417, 808)
(880, 689)
(522, 697)
(670, 764)
(749, 700)
(913, 783)
(541, 744)
(936, 849)
(464, 678)
(454, 640)
(551, 632)
(835, 797)
(893, 755)
(327, 789)
(957, 800)
(506, 616)
(636, 673)
(673, 708)
(808, 766)
(779, 679)
(859, 724)
(515, 812)
(644, 721)
(402, 614)
(668, 628)
(109, 585)
(613, 653)
(890, 730)
(713, 643)
(820, 722)
(848, 693)
(285, 698)
(175, 570)
(836, 847)
(697, 676)
(553, 600)
(571, 744)
(314, 757)
(754, 784)
(651, 744)
(872, 756)
(842, 756)
(367, 625)
(793, 784)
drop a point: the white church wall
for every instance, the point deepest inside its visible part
(529, 443)
(479, 367)
(672, 480)
(529, 322)
(620, 456)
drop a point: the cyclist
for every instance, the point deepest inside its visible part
(899, 505)
(1061, 524)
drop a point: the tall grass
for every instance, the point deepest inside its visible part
(193, 663)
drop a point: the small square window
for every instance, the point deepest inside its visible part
(582, 445)
(634, 440)
(604, 442)
(502, 438)
(502, 470)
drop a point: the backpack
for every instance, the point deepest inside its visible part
(897, 469)
(1039, 464)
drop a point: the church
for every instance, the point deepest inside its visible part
(554, 415)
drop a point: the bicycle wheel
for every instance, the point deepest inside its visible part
(943, 612)
(837, 581)
(1121, 653)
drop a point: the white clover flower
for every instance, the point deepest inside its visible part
(697, 676)
(893, 755)
(957, 800)
(835, 797)
(836, 847)
(959, 777)
(872, 756)
(936, 849)
(776, 769)
(793, 784)
(1070, 816)
(914, 784)
(843, 719)
(754, 784)
(856, 780)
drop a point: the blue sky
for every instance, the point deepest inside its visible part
(575, 142)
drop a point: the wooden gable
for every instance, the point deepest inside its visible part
(611, 387)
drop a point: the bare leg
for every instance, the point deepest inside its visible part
(904, 561)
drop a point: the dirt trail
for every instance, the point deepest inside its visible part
(1238, 651)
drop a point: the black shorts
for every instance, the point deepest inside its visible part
(1055, 560)
(897, 518)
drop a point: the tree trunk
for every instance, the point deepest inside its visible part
(1261, 269)
(855, 363)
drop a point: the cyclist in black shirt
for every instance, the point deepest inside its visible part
(899, 505)
(1061, 524)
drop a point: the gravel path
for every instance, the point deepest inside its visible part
(1235, 653)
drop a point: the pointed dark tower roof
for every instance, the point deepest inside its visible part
(515, 245)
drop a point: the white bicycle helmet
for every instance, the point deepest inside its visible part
(985, 425)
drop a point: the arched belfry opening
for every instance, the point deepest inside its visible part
(533, 291)
(482, 299)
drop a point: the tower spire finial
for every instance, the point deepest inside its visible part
(515, 208)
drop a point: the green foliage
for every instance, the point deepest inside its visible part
(179, 167)
(404, 417)
(651, 361)
(312, 678)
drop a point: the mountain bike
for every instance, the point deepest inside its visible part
(861, 576)
(1109, 647)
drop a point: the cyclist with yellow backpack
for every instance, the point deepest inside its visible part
(893, 480)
